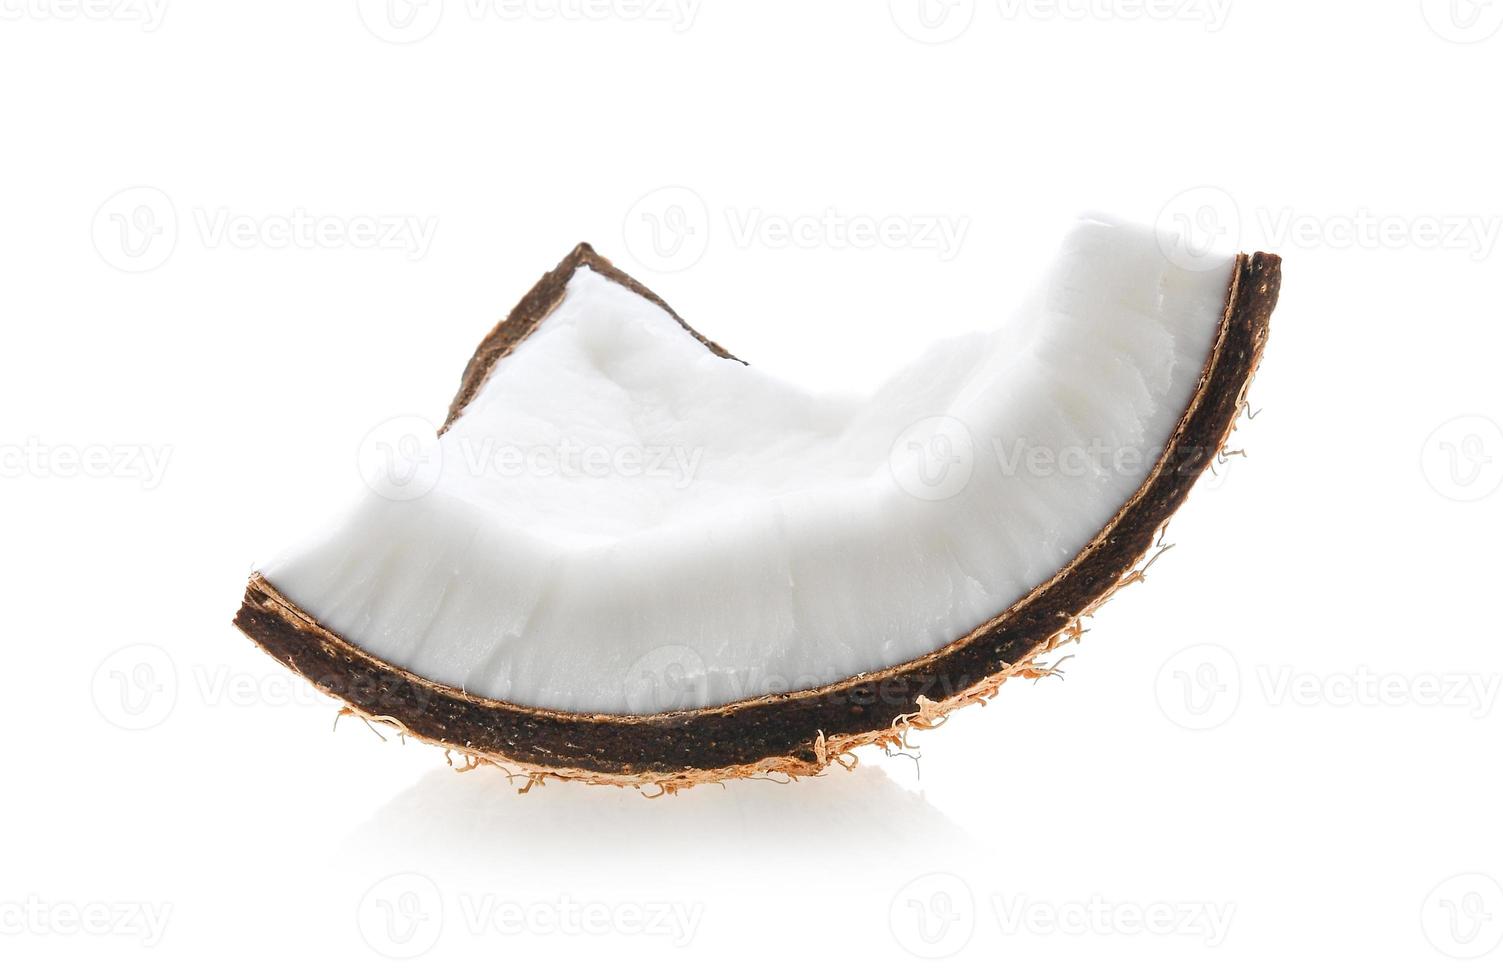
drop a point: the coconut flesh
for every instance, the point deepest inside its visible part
(622, 522)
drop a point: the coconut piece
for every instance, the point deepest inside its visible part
(817, 574)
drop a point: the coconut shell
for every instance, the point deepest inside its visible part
(797, 733)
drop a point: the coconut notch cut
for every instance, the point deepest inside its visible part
(802, 731)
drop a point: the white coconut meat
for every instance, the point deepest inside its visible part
(622, 522)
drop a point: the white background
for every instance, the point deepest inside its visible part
(1292, 730)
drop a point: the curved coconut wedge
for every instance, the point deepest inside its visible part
(630, 558)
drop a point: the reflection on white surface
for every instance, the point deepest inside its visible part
(828, 853)
(477, 822)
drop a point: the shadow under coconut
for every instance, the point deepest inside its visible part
(858, 829)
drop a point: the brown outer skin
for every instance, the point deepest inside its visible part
(797, 732)
(535, 307)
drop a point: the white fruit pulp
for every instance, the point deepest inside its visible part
(622, 522)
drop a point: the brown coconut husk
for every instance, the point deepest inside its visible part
(799, 733)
